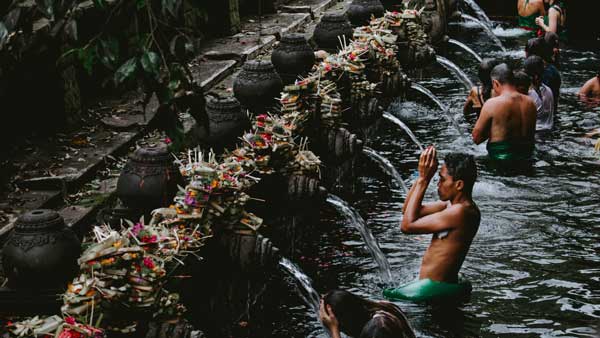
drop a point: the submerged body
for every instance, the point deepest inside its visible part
(591, 89)
(507, 121)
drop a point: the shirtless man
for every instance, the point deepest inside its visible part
(507, 121)
(453, 220)
(591, 89)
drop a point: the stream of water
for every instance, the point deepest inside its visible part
(456, 70)
(387, 166)
(465, 48)
(487, 30)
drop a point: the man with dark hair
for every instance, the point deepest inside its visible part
(540, 93)
(453, 220)
(507, 121)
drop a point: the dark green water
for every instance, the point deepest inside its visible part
(535, 263)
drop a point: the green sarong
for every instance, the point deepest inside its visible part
(528, 22)
(427, 290)
(507, 150)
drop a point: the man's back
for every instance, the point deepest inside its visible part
(513, 118)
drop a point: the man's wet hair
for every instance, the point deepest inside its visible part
(503, 74)
(534, 67)
(539, 47)
(551, 39)
(462, 167)
(522, 80)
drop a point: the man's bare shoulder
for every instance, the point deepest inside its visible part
(465, 213)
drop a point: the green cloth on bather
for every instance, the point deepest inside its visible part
(509, 150)
(528, 22)
(427, 290)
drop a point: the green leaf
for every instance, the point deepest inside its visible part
(126, 70)
(88, 57)
(109, 52)
(99, 3)
(171, 7)
(151, 62)
(140, 4)
(3, 34)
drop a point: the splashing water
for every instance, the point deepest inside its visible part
(387, 166)
(480, 13)
(404, 127)
(452, 67)
(466, 48)
(487, 29)
(359, 223)
(440, 104)
(303, 284)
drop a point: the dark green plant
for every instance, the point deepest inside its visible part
(142, 43)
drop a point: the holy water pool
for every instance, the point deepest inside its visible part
(535, 262)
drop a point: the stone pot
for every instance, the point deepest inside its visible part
(226, 122)
(359, 12)
(332, 25)
(149, 180)
(257, 86)
(41, 252)
(292, 57)
(303, 190)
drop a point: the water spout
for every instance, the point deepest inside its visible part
(487, 29)
(404, 127)
(452, 67)
(303, 284)
(466, 48)
(357, 221)
(439, 102)
(480, 13)
(387, 166)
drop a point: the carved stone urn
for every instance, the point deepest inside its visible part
(226, 120)
(41, 252)
(257, 86)
(360, 11)
(292, 57)
(332, 25)
(149, 180)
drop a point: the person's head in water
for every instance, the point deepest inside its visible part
(485, 68)
(539, 47)
(502, 76)
(522, 82)
(354, 312)
(534, 67)
(385, 325)
(458, 175)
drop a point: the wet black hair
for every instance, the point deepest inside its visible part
(551, 39)
(485, 68)
(534, 67)
(384, 325)
(354, 312)
(462, 167)
(503, 74)
(539, 47)
(522, 80)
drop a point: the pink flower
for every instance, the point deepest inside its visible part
(70, 320)
(189, 200)
(168, 140)
(137, 228)
(149, 239)
(148, 262)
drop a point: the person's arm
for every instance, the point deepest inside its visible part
(329, 320)
(553, 17)
(469, 103)
(413, 209)
(481, 131)
(584, 92)
(425, 209)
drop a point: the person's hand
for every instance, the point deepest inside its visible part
(428, 163)
(327, 317)
(539, 21)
